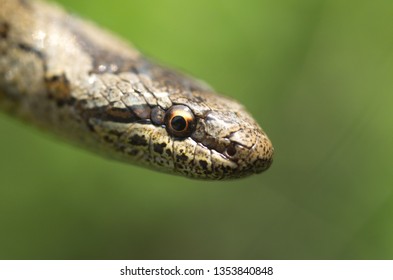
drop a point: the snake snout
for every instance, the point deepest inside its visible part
(261, 154)
(251, 150)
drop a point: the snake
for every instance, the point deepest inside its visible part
(66, 75)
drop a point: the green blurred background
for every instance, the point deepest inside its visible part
(318, 77)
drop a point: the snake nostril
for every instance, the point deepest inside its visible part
(231, 150)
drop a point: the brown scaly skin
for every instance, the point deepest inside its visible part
(66, 75)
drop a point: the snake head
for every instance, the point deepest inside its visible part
(189, 138)
(184, 129)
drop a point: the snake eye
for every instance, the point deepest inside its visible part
(179, 121)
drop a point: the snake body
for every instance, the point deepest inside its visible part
(69, 76)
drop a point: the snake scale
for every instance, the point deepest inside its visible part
(66, 75)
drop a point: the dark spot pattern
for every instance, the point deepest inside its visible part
(159, 147)
(137, 140)
(4, 29)
(58, 88)
(182, 157)
(203, 164)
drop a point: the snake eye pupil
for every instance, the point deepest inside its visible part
(179, 123)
